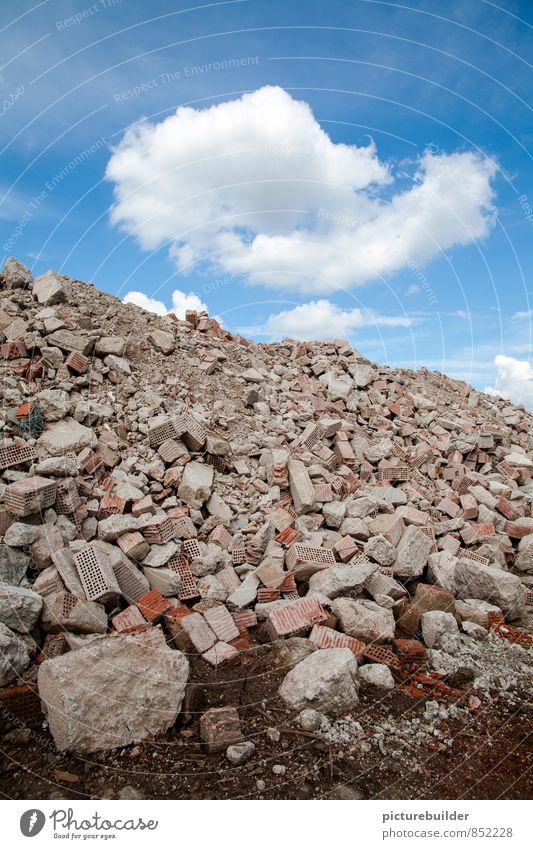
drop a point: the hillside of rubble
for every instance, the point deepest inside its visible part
(240, 570)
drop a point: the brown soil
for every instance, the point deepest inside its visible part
(490, 756)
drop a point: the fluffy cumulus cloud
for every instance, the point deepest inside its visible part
(255, 187)
(321, 319)
(181, 302)
(514, 380)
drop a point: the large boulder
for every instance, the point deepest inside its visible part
(16, 275)
(364, 620)
(196, 483)
(14, 656)
(495, 585)
(19, 607)
(435, 624)
(113, 691)
(325, 681)
(524, 556)
(66, 436)
(49, 288)
(55, 404)
(413, 553)
(342, 578)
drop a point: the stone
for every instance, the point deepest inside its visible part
(238, 753)
(198, 632)
(246, 593)
(196, 484)
(524, 555)
(113, 691)
(426, 597)
(49, 289)
(365, 620)
(162, 341)
(220, 728)
(55, 404)
(377, 675)
(85, 617)
(166, 581)
(117, 364)
(435, 624)
(69, 341)
(14, 656)
(66, 436)
(110, 345)
(413, 553)
(355, 528)
(334, 513)
(301, 487)
(160, 554)
(16, 275)
(58, 467)
(488, 584)
(441, 570)
(337, 580)
(13, 564)
(380, 550)
(326, 681)
(474, 610)
(19, 607)
(114, 526)
(290, 651)
(19, 534)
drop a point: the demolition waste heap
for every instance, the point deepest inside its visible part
(233, 548)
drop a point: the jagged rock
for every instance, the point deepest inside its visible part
(301, 487)
(196, 483)
(55, 404)
(413, 553)
(66, 436)
(16, 275)
(524, 557)
(49, 289)
(59, 467)
(364, 620)
(113, 691)
(18, 534)
(19, 607)
(13, 564)
(162, 341)
(377, 675)
(326, 681)
(435, 624)
(380, 550)
(337, 580)
(110, 345)
(476, 581)
(14, 656)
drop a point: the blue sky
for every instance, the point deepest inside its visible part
(358, 169)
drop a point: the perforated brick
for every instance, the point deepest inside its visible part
(326, 455)
(153, 605)
(20, 706)
(90, 461)
(238, 555)
(191, 431)
(188, 589)
(184, 527)
(295, 618)
(345, 548)
(221, 536)
(191, 548)
(96, 575)
(327, 638)
(77, 362)
(15, 455)
(311, 435)
(266, 594)
(221, 623)
(412, 516)
(134, 545)
(381, 654)
(132, 583)
(288, 536)
(300, 553)
(159, 529)
(158, 433)
(218, 463)
(30, 495)
(449, 543)
(245, 619)
(323, 492)
(170, 450)
(67, 496)
(472, 555)
(394, 473)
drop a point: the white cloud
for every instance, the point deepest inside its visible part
(323, 320)
(523, 314)
(413, 289)
(514, 380)
(255, 187)
(181, 301)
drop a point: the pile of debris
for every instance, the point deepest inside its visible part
(174, 495)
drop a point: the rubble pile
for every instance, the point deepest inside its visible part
(173, 495)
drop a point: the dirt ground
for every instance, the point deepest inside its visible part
(487, 753)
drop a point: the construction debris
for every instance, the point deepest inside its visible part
(176, 497)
